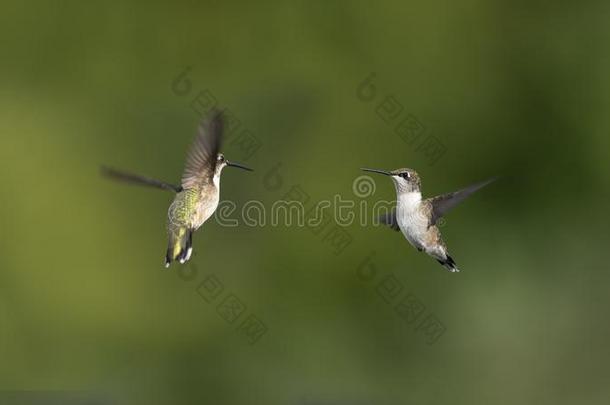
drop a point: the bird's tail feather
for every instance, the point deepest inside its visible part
(449, 264)
(180, 245)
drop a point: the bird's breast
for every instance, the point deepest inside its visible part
(413, 226)
(192, 207)
(411, 220)
(207, 204)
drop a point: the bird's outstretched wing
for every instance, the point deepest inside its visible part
(444, 203)
(389, 219)
(137, 179)
(201, 159)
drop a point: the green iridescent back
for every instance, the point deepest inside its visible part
(182, 209)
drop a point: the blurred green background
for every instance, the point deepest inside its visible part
(511, 88)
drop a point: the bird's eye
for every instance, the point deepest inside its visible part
(405, 175)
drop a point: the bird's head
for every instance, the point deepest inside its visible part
(405, 180)
(222, 162)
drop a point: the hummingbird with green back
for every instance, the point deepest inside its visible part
(417, 218)
(198, 195)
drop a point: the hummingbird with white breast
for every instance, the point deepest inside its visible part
(198, 194)
(417, 218)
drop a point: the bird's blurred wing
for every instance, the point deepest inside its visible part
(444, 203)
(389, 219)
(201, 159)
(137, 179)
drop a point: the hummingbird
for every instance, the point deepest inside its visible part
(198, 194)
(416, 218)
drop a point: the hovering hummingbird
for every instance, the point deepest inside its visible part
(198, 195)
(417, 218)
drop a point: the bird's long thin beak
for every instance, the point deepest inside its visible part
(376, 171)
(234, 164)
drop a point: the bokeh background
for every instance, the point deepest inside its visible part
(511, 88)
